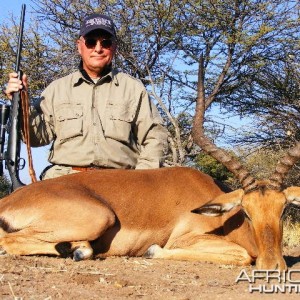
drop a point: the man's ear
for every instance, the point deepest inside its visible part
(78, 46)
(222, 204)
(292, 195)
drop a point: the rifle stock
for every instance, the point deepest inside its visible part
(12, 156)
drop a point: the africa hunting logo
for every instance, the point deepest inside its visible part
(271, 281)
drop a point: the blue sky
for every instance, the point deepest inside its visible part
(13, 6)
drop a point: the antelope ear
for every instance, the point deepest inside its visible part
(292, 195)
(222, 204)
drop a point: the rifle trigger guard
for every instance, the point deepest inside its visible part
(21, 163)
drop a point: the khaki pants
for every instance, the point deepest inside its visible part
(57, 171)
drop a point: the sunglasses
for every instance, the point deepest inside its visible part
(92, 42)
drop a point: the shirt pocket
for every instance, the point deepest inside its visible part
(118, 123)
(69, 122)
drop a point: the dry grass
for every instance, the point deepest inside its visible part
(291, 233)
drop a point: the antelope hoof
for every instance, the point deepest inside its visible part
(152, 250)
(82, 254)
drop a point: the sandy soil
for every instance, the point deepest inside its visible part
(38, 277)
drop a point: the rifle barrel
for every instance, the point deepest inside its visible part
(21, 28)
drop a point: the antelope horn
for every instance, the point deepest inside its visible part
(247, 181)
(234, 166)
(284, 165)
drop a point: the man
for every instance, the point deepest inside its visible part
(96, 117)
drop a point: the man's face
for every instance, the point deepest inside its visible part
(97, 50)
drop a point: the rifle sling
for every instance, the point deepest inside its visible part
(25, 109)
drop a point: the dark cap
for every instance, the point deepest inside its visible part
(97, 21)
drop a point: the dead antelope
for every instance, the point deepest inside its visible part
(163, 213)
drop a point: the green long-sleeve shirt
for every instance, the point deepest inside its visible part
(111, 123)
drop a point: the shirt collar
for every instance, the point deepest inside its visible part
(82, 75)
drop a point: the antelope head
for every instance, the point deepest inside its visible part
(263, 206)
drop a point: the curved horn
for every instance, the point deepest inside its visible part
(234, 166)
(284, 166)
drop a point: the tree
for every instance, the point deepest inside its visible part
(216, 170)
(274, 103)
(38, 60)
(161, 42)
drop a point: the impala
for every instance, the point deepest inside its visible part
(173, 213)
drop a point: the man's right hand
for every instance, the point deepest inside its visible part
(15, 85)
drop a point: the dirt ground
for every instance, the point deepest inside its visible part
(38, 277)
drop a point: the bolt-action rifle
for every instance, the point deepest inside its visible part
(12, 156)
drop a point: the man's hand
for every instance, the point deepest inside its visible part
(15, 85)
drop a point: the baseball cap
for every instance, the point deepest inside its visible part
(97, 21)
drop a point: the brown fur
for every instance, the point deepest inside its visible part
(124, 212)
